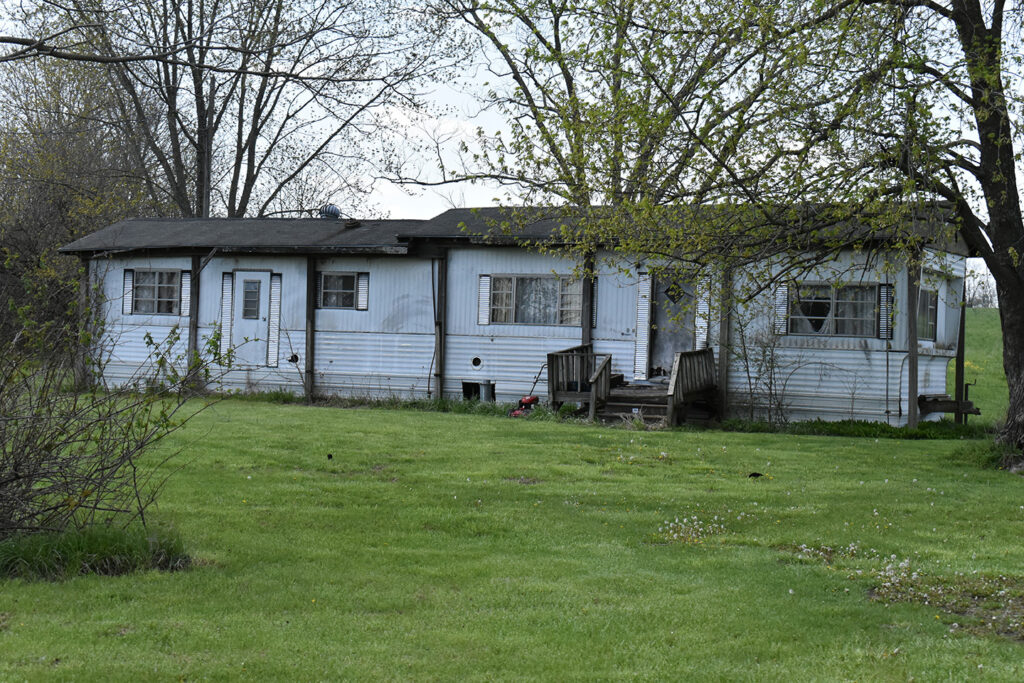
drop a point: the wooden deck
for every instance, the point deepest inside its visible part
(578, 375)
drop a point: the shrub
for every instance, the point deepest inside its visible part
(108, 551)
(71, 449)
(943, 429)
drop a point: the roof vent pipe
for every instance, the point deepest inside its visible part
(330, 212)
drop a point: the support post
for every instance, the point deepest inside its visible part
(724, 342)
(913, 293)
(958, 378)
(86, 328)
(193, 310)
(308, 376)
(441, 322)
(587, 304)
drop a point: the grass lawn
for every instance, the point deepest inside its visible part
(984, 366)
(438, 546)
(441, 546)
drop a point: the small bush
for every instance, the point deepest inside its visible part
(943, 429)
(108, 551)
(278, 396)
(988, 455)
(457, 406)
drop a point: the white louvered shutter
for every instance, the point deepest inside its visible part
(641, 349)
(362, 291)
(702, 319)
(274, 320)
(128, 293)
(226, 286)
(781, 318)
(185, 307)
(885, 311)
(483, 301)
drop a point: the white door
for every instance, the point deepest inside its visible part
(249, 326)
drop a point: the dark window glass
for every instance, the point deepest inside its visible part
(536, 300)
(156, 292)
(848, 311)
(927, 314)
(251, 299)
(338, 290)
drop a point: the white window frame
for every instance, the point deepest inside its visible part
(360, 291)
(829, 324)
(248, 312)
(156, 285)
(931, 315)
(502, 304)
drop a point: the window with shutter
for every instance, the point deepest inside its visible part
(530, 300)
(343, 290)
(155, 292)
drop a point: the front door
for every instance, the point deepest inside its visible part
(671, 326)
(249, 327)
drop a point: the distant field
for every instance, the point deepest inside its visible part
(437, 546)
(984, 365)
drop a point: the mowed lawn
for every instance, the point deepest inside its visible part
(440, 547)
(984, 366)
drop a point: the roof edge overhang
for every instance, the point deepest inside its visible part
(376, 250)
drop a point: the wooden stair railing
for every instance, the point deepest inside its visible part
(693, 377)
(572, 374)
(600, 385)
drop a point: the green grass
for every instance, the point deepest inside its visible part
(443, 546)
(100, 550)
(984, 366)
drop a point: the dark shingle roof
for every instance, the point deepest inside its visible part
(320, 236)
(301, 235)
(269, 235)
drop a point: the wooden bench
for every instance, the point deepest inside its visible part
(944, 403)
(693, 379)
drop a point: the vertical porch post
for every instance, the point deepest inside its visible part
(86, 327)
(587, 305)
(913, 293)
(724, 342)
(958, 378)
(309, 374)
(441, 322)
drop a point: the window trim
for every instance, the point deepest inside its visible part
(176, 300)
(829, 323)
(255, 315)
(934, 309)
(561, 310)
(360, 291)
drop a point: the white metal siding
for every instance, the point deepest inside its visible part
(401, 302)
(373, 364)
(838, 384)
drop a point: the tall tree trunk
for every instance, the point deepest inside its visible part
(1011, 315)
